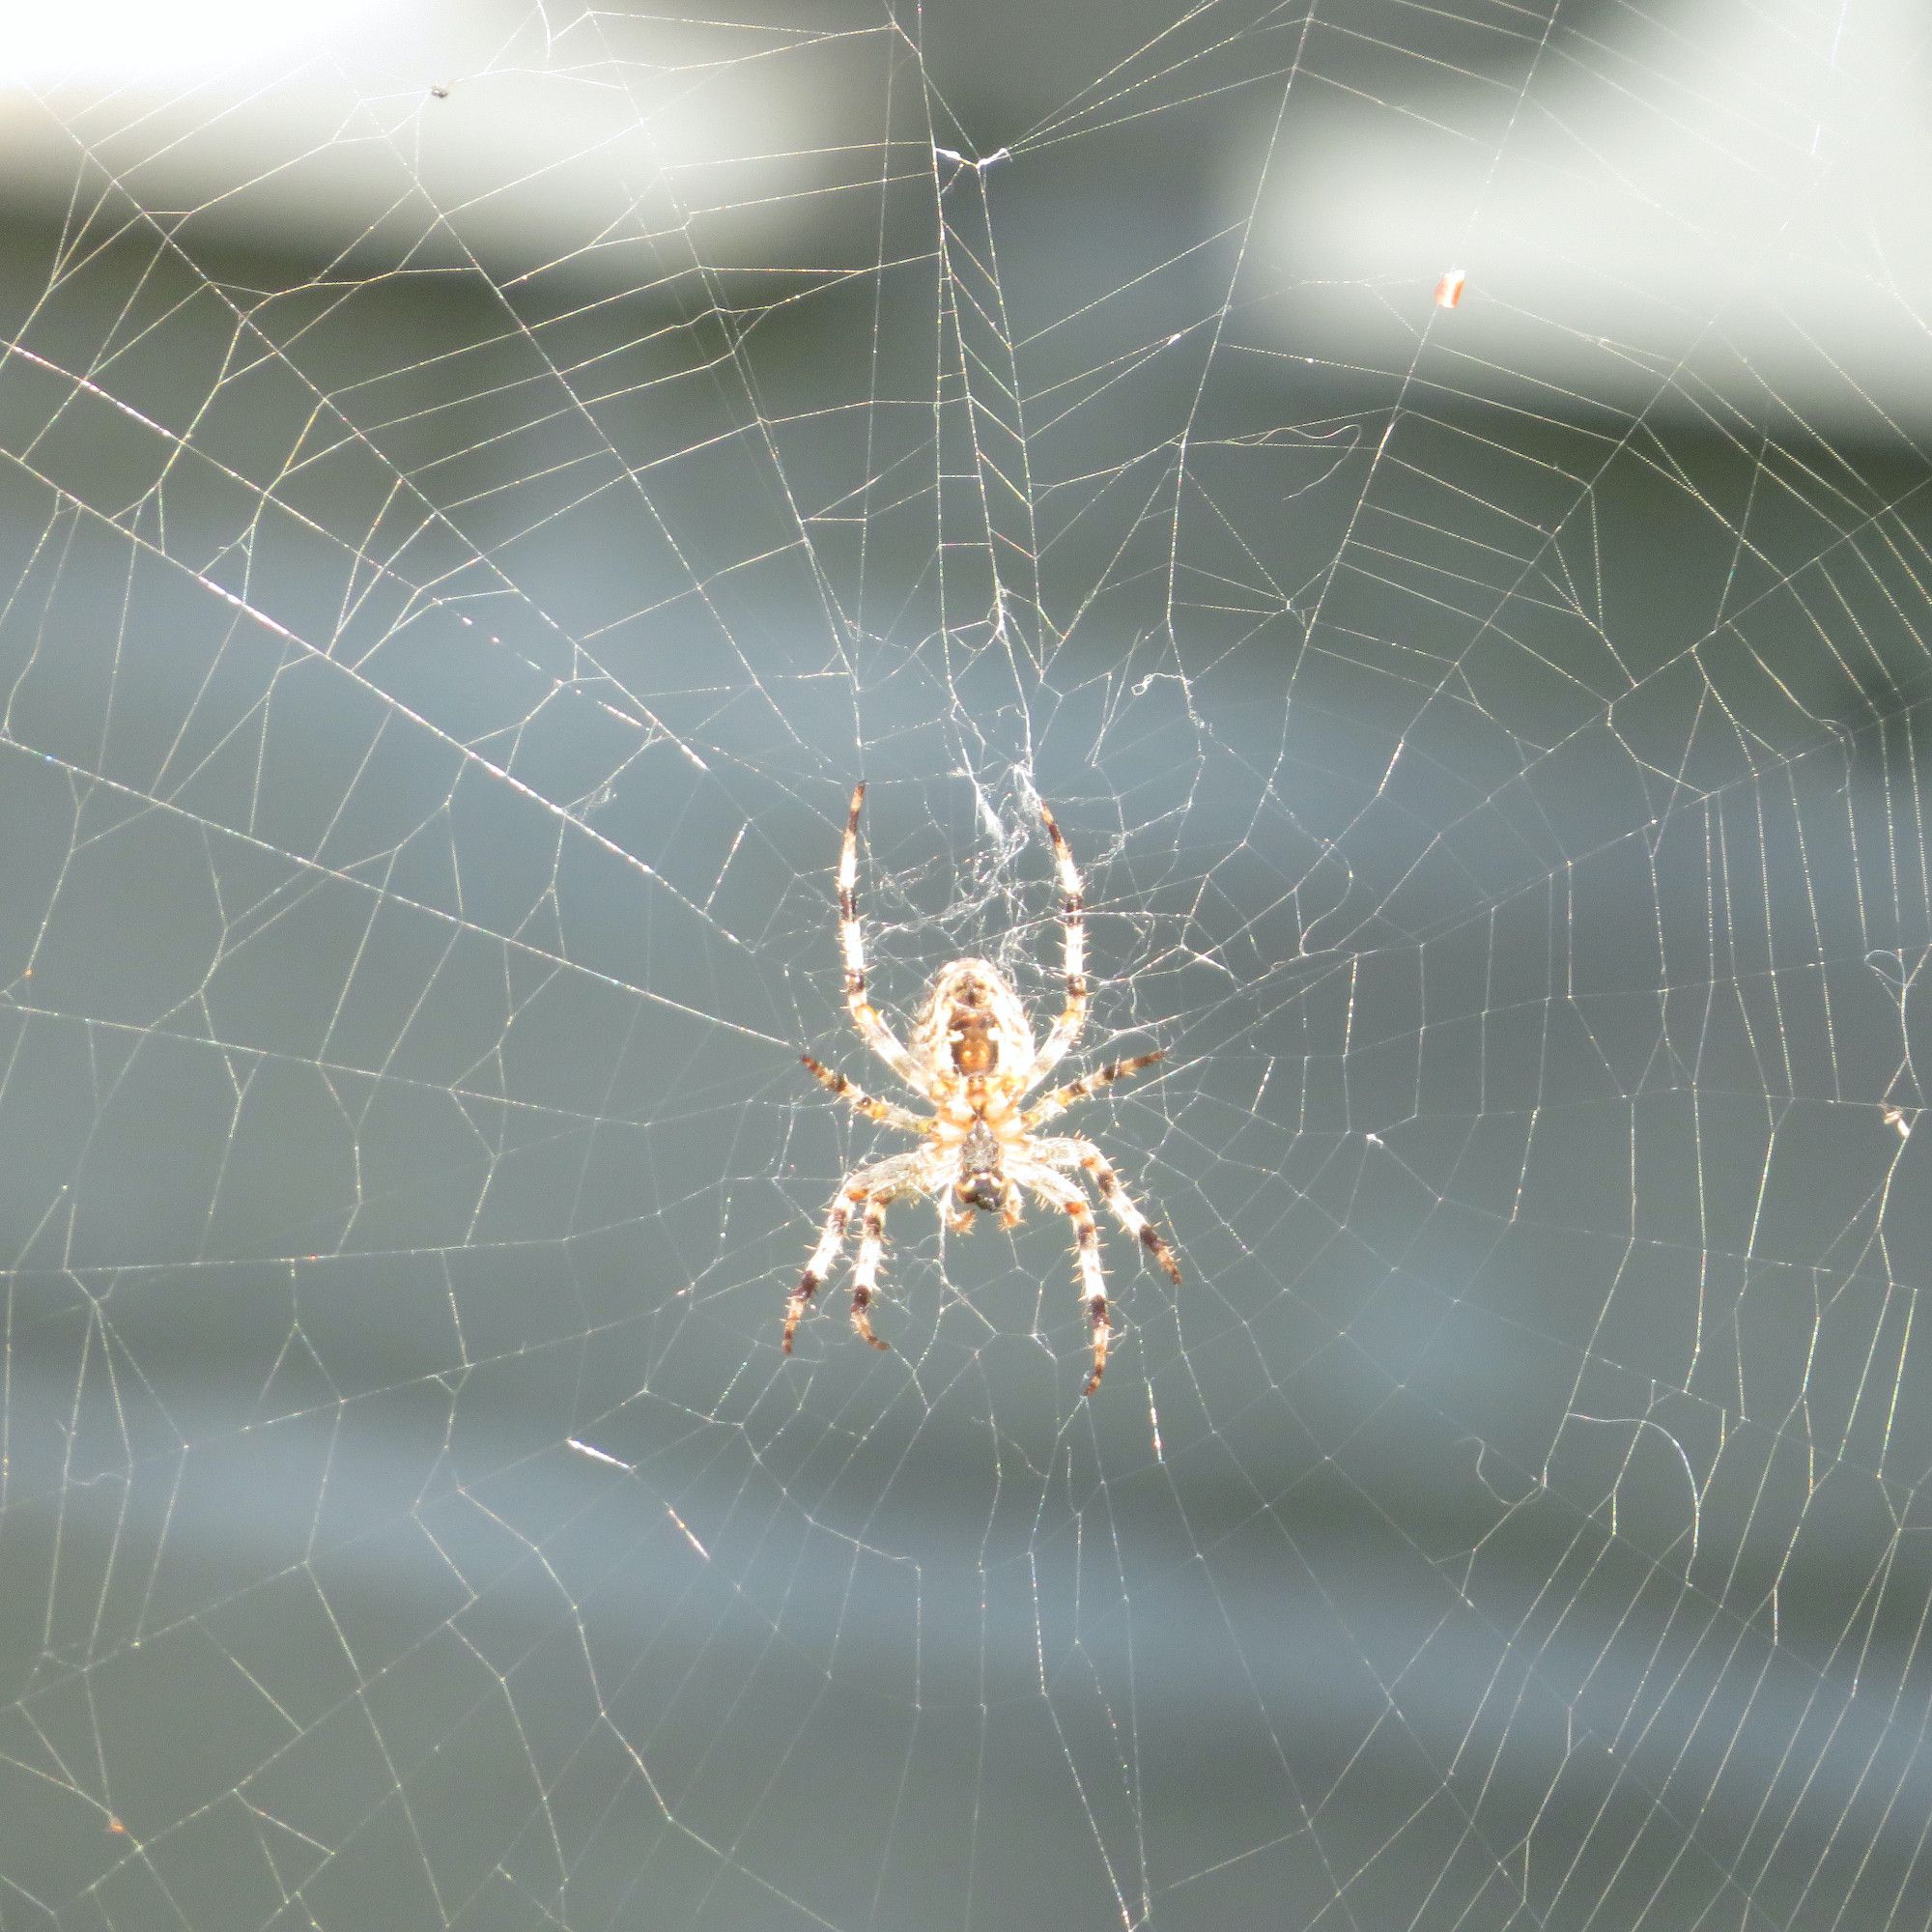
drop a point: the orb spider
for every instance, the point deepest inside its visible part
(971, 1055)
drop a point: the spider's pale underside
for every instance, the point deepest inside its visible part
(972, 1056)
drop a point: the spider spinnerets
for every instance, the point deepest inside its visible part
(972, 1056)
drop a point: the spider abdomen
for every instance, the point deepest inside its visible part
(980, 1183)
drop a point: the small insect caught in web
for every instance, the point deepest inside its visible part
(1449, 290)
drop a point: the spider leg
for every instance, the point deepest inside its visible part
(866, 1017)
(830, 1241)
(1057, 1191)
(855, 1095)
(882, 1181)
(1012, 1206)
(1073, 1150)
(1074, 918)
(1063, 1098)
(865, 1269)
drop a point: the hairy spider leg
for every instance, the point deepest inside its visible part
(884, 1178)
(830, 1241)
(865, 1271)
(1073, 918)
(853, 1095)
(866, 1017)
(1058, 1192)
(1074, 1150)
(1063, 1098)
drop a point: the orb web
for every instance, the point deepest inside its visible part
(477, 495)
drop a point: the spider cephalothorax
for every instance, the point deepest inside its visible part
(972, 1056)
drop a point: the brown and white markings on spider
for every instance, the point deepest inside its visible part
(971, 1055)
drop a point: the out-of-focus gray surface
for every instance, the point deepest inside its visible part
(431, 679)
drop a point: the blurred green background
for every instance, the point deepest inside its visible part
(479, 487)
